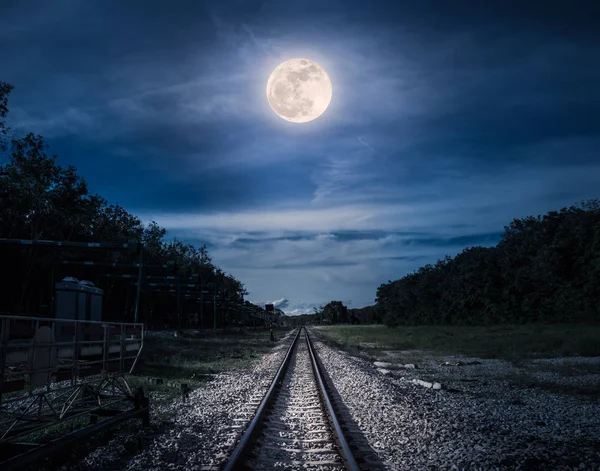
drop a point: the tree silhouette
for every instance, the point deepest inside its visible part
(544, 269)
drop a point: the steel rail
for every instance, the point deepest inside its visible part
(351, 463)
(243, 446)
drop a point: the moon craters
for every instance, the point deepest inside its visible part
(299, 90)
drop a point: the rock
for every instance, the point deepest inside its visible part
(425, 384)
(382, 364)
(368, 345)
(437, 386)
(384, 372)
(460, 363)
(410, 365)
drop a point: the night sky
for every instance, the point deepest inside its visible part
(448, 120)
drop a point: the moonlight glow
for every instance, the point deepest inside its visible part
(299, 90)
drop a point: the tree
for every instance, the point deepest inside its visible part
(365, 315)
(5, 90)
(335, 312)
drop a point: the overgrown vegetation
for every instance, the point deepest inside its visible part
(167, 362)
(511, 342)
(196, 355)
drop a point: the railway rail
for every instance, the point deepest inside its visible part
(295, 425)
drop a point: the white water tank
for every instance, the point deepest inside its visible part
(78, 300)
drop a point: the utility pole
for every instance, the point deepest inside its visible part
(201, 306)
(215, 308)
(139, 285)
(178, 301)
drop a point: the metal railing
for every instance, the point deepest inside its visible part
(37, 351)
(56, 369)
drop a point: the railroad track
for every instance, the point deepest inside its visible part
(295, 425)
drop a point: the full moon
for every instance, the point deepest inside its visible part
(299, 90)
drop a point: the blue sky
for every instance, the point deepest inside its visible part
(448, 119)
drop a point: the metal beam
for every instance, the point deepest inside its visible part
(81, 245)
(147, 277)
(164, 285)
(107, 264)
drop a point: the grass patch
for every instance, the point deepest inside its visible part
(193, 358)
(203, 353)
(510, 342)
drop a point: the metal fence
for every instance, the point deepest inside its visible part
(54, 369)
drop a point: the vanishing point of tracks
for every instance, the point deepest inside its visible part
(295, 425)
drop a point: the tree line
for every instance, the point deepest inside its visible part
(545, 269)
(336, 312)
(42, 200)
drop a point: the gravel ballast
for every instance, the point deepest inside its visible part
(203, 431)
(495, 425)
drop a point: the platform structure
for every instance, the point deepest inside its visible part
(53, 370)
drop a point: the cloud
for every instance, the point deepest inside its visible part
(444, 202)
(281, 303)
(68, 121)
(303, 308)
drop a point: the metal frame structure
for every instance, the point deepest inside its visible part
(131, 246)
(53, 370)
